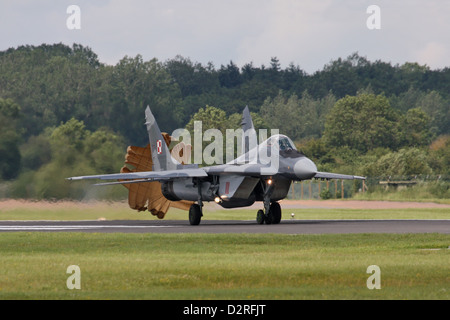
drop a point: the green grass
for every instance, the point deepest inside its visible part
(422, 192)
(236, 266)
(223, 266)
(409, 213)
(121, 211)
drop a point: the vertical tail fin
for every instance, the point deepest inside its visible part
(162, 160)
(247, 122)
(248, 131)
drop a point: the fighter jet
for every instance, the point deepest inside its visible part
(263, 172)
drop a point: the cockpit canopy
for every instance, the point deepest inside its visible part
(277, 143)
(283, 142)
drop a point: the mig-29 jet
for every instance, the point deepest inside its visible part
(262, 173)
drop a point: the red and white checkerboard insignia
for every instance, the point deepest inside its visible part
(227, 187)
(159, 146)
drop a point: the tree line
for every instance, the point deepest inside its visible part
(60, 107)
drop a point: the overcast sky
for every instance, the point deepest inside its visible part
(309, 33)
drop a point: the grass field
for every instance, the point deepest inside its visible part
(236, 266)
(118, 210)
(220, 266)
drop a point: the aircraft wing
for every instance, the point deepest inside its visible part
(328, 175)
(145, 176)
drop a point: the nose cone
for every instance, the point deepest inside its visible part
(305, 169)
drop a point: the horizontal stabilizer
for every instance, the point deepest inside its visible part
(125, 182)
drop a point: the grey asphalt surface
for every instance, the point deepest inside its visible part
(232, 226)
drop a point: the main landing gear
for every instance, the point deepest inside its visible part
(195, 215)
(272, 216)
(195, 211)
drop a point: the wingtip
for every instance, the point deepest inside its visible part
(74, 178)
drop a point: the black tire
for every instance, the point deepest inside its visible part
(260, 217)
(195, 215)
(275, 212)
(268, 217)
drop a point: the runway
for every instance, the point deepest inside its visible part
(232, 226)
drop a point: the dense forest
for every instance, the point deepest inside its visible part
(63, 112)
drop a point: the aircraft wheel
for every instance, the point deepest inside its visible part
(275, 211)
(195, 215)
(260, 217)
(268, 217)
